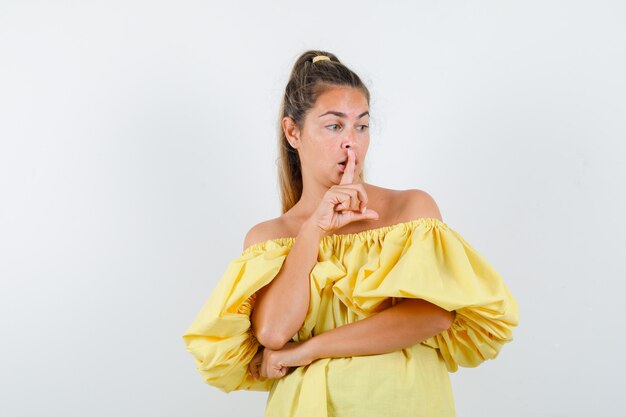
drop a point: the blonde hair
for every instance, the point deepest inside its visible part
(308, 80)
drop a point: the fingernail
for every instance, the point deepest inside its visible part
(363, 209)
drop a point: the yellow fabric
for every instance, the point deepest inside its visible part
(357, 275)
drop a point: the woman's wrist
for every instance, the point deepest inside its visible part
(309, 228)
(310, 350)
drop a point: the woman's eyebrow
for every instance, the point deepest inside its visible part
(340, 114)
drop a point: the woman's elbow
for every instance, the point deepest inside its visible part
(269, 339)
(447, 318)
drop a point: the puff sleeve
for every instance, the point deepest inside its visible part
(221, 338)
(436, 264)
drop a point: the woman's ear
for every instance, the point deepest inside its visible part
(291, 131)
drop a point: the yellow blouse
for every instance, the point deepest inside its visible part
(357, 275)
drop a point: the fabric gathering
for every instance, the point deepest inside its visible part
(356, 276)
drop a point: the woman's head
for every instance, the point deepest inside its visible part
(311, 139)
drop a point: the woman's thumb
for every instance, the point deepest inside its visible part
(368, 214)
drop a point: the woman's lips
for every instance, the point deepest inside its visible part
(342, 165)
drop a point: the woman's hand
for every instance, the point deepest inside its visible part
(255, 363)
(276, 363)
(343, 203)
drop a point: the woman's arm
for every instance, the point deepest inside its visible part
(407, 323)
(281, 306)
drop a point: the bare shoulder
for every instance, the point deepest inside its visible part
(261, 232)
(418, 203)
(403, 205)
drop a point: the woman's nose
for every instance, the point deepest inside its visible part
(349, 141)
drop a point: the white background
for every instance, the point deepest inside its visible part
(138, 145)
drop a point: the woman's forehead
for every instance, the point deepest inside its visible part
(341, 102)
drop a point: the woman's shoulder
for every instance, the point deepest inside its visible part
(406, 204)
(269, 229)
(419, 203)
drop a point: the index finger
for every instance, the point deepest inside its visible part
(348, 173)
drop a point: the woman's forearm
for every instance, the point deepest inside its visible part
(281, 306)
(407, 323)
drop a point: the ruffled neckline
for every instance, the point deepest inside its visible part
(377, 232)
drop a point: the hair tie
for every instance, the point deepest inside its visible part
(320, 57)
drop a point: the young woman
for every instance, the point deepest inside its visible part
(357, 300)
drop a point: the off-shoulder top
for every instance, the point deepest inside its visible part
(357, 275)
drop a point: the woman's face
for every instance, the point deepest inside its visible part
(339, 120)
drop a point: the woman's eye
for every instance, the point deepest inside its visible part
(360, 127)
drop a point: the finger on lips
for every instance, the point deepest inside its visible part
(348, 173)
(357, 202)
